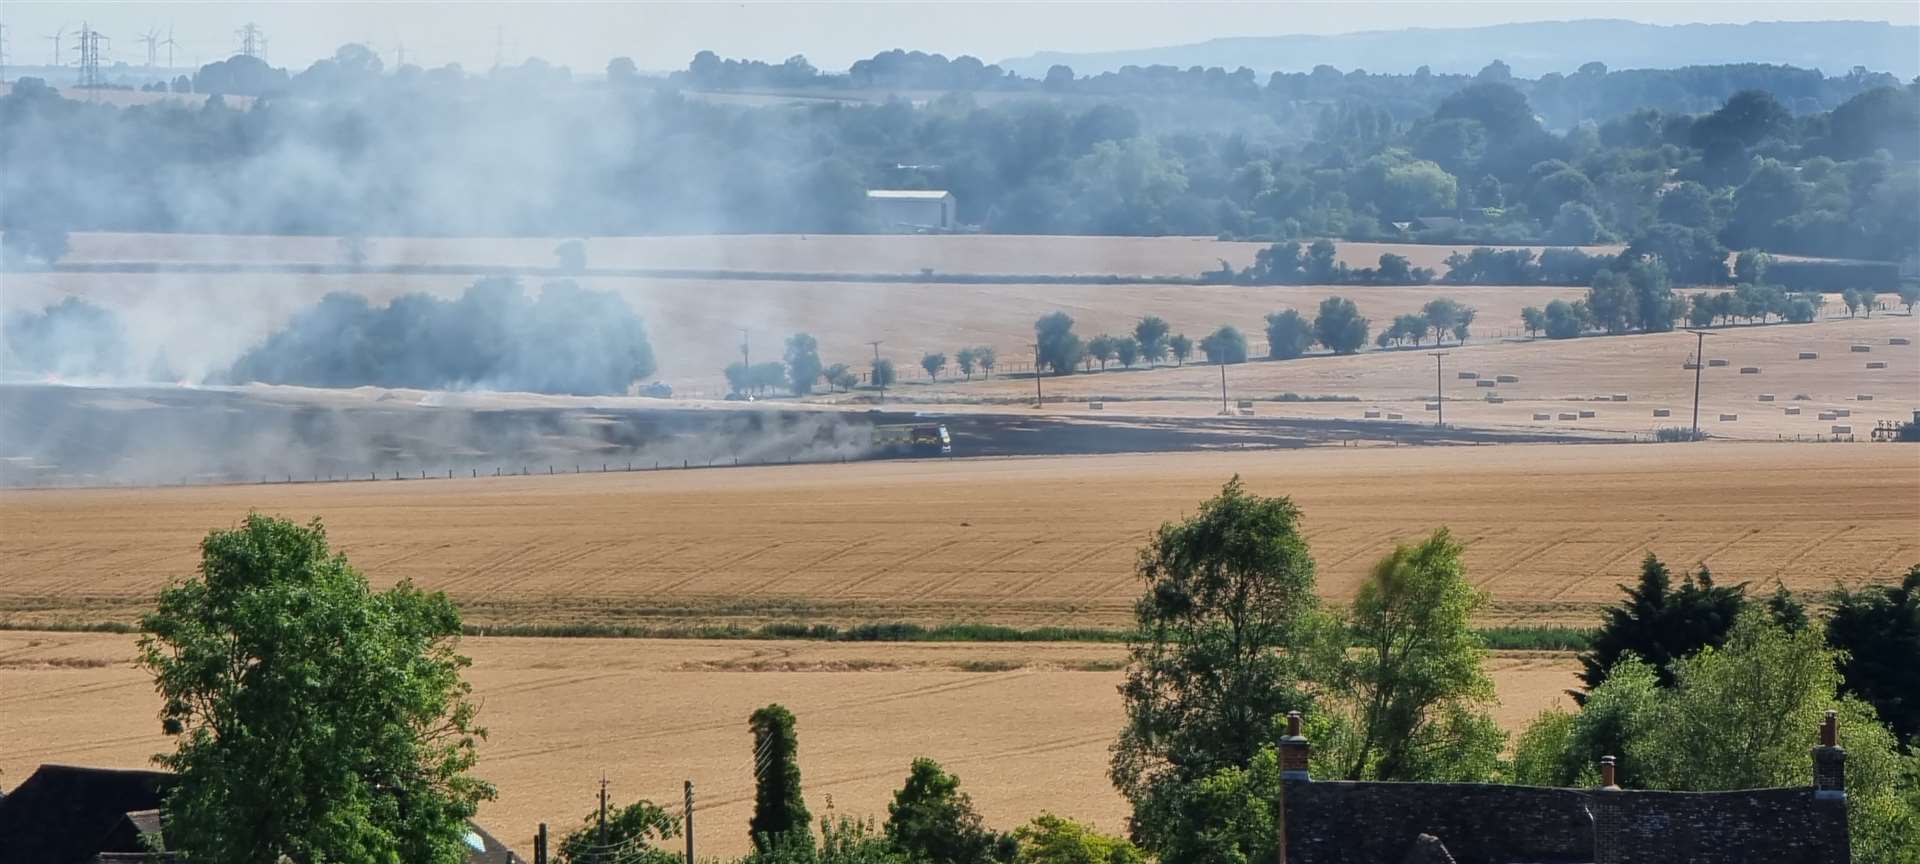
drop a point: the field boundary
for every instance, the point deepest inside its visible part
(725, 275)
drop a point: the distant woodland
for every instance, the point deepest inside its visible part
(1745, 157)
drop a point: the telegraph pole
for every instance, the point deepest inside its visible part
(689, 822)
(603, 811)
(1038, 400)
(1223, 388)
(1699, 363)
(1439, 395)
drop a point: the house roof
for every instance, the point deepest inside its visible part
(909, 194)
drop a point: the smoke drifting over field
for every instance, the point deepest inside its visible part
(568, 341)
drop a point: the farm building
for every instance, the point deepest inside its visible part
(63, 814)
(1349, 822)
(908, 211)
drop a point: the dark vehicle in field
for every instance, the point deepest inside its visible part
(916, 439)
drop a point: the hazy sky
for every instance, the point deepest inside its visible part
(664, 35)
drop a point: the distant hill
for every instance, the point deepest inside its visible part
(1533, 49)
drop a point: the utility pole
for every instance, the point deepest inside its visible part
(689, 825)
(1439, 394)
(1223, 388)
(1038, 400)
(89, 49)
(603, 811)
(876, 370)
(253, 41)
(1699, 363)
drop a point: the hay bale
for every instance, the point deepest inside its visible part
(1749, 370)
(1586, 415)
(1793, 409)
(1507, 379)
(1899, 340)
(1829, 415)
(1245, 403)
(1841, 429)
(1716, 361)
(1097, 406)
(1729, 418)
(1619, 397)
(1689, 365)
(1468, 376)
(1809, 355)
(1396, 417)
(1766, 397)
(1539, 416)
(1876, 364)
(1663, 412)
(1863, 397)
(1371, 415)
(1246, 412)
(1433, 406)
(1862, 349)
(1494, 400)
(1843, 412)
(1568, 415)
(1484, 383)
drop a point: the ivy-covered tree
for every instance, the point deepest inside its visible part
(779, 810)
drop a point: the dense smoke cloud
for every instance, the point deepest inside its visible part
(571, 340)
(70, 339)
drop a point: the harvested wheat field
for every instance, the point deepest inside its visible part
(1763, 377)
(971, 254)
(1026, 727)
(1550, 529)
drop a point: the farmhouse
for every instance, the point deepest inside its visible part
(908, 211)
(65, 814)
(1477, 823)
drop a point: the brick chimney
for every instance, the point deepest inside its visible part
(1604, 809)
(1294, 750)
(1608, 778)
(1830, 762)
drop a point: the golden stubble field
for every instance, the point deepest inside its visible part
(1550, 530)
(1026, 727)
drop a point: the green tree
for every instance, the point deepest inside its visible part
(1463, 325)
(1228, 625)
(1414, 682)
(1100, 349)
(803, 363)
(638, 830)
(1653, 304)
(1442, 314)
(1562, 749)
(1339, 326)
(285, 678)
(1059, 350)
(1909, 293)
(1151, 333)
(1180, 347)
(1566, 320)
(1661, 625)
(964, 358)
(931, 820)
(1533, 319)
(882, 374)
(840, 375)
(779, 810)
(1288, 335)
(1126, 350)
(983, 354)
(933, 363)
(1575, 224)
(1050, 839)
(1878, 628)
(1225, 345)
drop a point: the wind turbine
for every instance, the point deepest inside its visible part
(170, 46)
(55, 39)
(152, 40)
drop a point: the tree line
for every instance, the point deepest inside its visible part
(400, 154)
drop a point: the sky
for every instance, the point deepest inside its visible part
(662, 36)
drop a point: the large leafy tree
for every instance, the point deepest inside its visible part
(1659, 624)
(803, 363)
(1414, 685)
(932, 821)
(779, 810)
(1339, 326)
(633, 835)
(1288, 334)
(1059, 350)
(316, 719)
(1878, 626)
(1227, 629)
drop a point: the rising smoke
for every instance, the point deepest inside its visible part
(570, 341)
